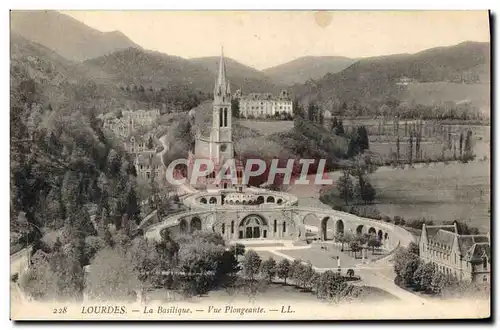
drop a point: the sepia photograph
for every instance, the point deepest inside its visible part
(250, 165)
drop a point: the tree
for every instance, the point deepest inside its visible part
(413, 248)
(335, 123)
(345, 187)
(365, 190)
(235, 108)
(39, 281)
(345, 238)
(269, 269)
(423, 276)
(150, 144)
(294, 265)
(373, 242)
(461, 143)
(437, 283)
(340, 128)
(410, 149)
(398, 156)
(331, 286)
(237, 249)
(363, 141)
(251, 264)
(283, 269)
(355, 247)
(112, 276)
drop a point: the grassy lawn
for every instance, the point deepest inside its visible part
(268, 127)
(324, 259)
(438, 192)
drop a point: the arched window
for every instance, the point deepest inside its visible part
(275, 225)
(485, 262)
(284, 226)
(232, 227)
(221, 123)
(225, 117)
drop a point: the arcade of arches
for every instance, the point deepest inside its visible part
(330, 230)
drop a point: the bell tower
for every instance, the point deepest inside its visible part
(221, 135)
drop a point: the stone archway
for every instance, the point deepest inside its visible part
(359, 230)
(270, 199)
(183, 226)
(195, 224)
(339, 227)
(311, 219)
(203, 200)
(253, 226)
(372, 231)
(325, 233)
(213, 200)
(386, 236)
(260, 200)
(279, 201)
(380, 235)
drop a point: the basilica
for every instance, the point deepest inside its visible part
(218, 146)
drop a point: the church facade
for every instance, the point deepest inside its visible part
(218, 146)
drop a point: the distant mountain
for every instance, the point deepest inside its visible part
(302, 69)
(376, 78)
(158, 70)
(65, 35)
(241, 76)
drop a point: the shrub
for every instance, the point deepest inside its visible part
(386, 218)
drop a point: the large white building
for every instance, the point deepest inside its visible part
(264, 104)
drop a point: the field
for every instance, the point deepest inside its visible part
(436, 191)
(268, 127)
(439, 92)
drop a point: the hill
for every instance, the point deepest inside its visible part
(374, 80)
(154, 69)
(305, 68)
(241, 76)
(175, 74)
(66, 35)
(57, 81)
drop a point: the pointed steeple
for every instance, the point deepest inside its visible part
(221, 79)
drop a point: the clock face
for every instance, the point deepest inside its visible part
(223, 147)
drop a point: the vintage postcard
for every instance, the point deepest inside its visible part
(250, 165)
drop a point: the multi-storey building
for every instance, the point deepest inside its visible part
(264, 104)
(129, 120)
(467, 257)
(148, 164)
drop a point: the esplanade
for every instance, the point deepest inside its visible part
(270, 220)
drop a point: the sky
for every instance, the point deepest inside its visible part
(263, 39)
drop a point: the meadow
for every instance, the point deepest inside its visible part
(268, 127)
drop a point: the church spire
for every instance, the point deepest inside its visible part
(221, 79)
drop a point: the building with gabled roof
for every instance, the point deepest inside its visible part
(467, 257)
(149, 164)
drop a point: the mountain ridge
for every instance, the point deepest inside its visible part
(65, 35)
